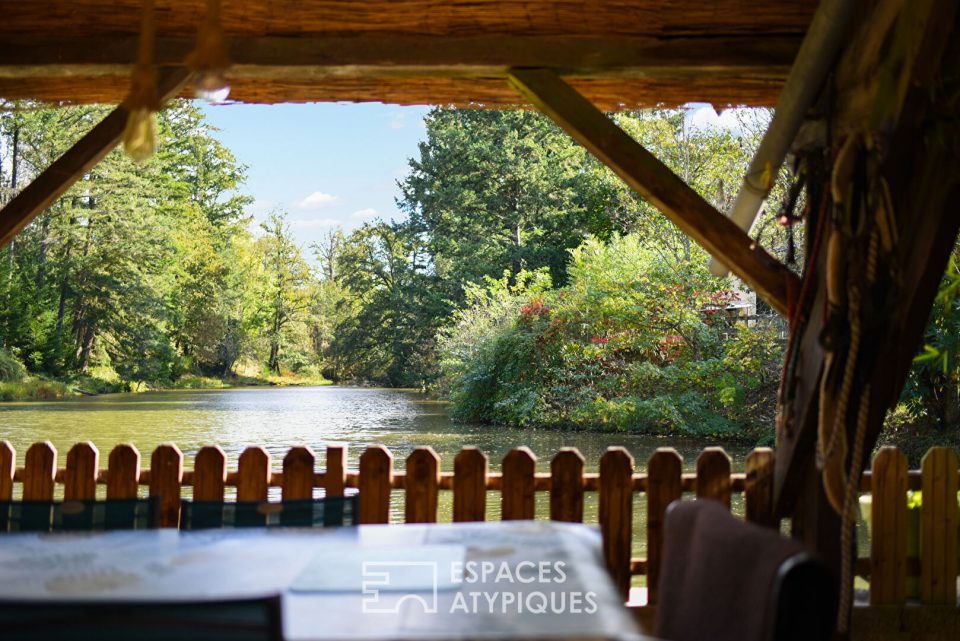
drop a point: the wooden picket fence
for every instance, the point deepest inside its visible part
(617, 483)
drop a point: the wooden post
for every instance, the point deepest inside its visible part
(253, 474)
(657, 184)
(298, 473)
(938, 528)
(566, 486)
(8, 460)
(336, 475)
(80, 478)
(713, 475)
(616, 514)
(758, 488)
(816, 524)
(664, 486)
(123, 472)
(39, 471)
(209, 474)
(423, 481)
(470, 485)
(888, 517)
(375, 483)
(166, 475)
(518, 489)
(889, 84)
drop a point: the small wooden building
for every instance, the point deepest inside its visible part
(880, 148)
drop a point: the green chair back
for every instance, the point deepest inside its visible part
(79, 516)
(325, 512)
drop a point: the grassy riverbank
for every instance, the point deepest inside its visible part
(34, 388)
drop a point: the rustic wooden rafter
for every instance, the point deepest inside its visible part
(76, 161)
(279, 57)
(617, 71)
(659, 185)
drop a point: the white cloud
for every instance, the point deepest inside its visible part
(317, 199)
(369, 212)
(705, 117)
(314, 223)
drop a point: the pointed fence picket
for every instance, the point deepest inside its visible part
(617, 484)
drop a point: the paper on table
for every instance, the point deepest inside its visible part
(390, 569)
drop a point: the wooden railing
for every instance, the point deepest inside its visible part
(617, 484)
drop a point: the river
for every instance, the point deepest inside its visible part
(280, 417)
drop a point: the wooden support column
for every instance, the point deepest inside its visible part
(656, 183)
(76, 161)
(899, 94)
(893, 97)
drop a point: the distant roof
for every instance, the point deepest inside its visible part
(620, 54)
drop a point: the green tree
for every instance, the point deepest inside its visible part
(388, 337)
(495, 190)
(284, 298)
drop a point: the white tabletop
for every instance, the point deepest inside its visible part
(521, 579)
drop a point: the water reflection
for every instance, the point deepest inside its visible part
(280, 417)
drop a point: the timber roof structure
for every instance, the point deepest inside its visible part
(892, 94)
(618, 54)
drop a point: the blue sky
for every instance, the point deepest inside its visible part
(330, 165)
(327, 164)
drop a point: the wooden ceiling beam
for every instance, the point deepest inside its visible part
(376, 55)
(659, 185)
(54, 181)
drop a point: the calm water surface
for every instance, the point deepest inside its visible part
(278, 418)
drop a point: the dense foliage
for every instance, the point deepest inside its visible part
(929, 409)
(632, 342)
(494, 193)
(525, 282)
(144, 273)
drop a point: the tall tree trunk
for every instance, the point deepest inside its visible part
(273, 363)
(42, 258)
(12, 248)
(518, 244)
(61, 308)
(86, 347)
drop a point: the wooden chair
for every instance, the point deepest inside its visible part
(79, 516)
(234, 620)
(723, 579)
(325, 512)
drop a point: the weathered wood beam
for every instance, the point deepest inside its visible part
(375, 55)
(661, 187)
(76, 161)
(894, 64)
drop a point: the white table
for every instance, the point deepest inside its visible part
(542, 580)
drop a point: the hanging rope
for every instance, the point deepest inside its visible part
(870, 219)
(140, 134)
(850, 502)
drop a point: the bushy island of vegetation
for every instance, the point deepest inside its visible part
(523, 282)
(627, 344)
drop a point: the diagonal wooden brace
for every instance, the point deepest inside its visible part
(661, 187)
(76, 161)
